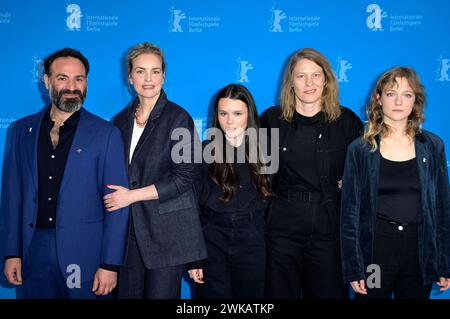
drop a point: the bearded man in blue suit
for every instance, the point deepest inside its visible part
(60, 240)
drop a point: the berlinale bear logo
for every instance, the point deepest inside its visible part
(374, 20)
(343, 67)
(444, 66)
(277, 16)
(177, 16)
(73, 21)
(243, 67)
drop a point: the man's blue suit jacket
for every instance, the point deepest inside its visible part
(86, 234)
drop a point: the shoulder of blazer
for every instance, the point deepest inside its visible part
(92, 119)
(172, 109)
(430, 141)
(349, 124)
(426, 136)
(348, 119)
(359, 147)
(271, 117)
(122, 118)
(348, 115)
(30, 119)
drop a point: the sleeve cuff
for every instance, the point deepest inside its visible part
(9, 257)
(195, 265)
(109, 267)
(354, 277)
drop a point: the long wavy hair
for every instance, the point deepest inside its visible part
(330, 96)
(376, 126)
(224, 173)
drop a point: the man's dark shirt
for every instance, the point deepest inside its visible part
(51, 165)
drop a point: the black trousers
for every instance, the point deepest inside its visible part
(303, 250)
(396, 251)
(235, 267)
(138, 282)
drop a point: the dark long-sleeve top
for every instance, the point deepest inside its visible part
(303, 177)
(244, 200)
(331, 141)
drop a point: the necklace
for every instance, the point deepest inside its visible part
(141, 124)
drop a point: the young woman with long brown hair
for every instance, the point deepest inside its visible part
(232, 193)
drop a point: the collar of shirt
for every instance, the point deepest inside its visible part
(308, 120)
(72, 121)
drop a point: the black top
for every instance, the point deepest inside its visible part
(399, 191)
(51, 164)
(332, 139)
(245, 199)
(300, 171)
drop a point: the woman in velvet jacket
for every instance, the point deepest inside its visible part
(395, 216)
(165, 231)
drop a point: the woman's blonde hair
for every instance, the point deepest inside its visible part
(330, 96)
(376, 126)
(142, 48)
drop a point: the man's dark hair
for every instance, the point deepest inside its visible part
(64, 53)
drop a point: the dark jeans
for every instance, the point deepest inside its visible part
(396, 252)
(235, 267)
(43, 278)
(138, 282)
(303, 250)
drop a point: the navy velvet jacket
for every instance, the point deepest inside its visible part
(359, 205)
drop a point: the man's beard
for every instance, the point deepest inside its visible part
(68, 105)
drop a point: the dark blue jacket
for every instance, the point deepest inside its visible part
(359, 206)
(168, 230)
(86, 234)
